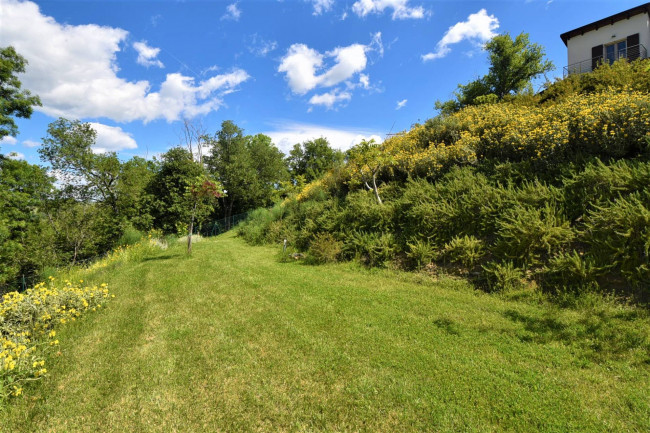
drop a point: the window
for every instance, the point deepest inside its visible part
(615, 51)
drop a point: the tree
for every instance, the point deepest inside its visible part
(513, 64)
(170, 204)
(88, 175)
(365, 161)
(201, 192)
(312, 159)
(13, 100)
(250, 168)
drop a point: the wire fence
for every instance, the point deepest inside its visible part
(222, 225)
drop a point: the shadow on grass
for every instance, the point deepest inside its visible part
(447, 325)
(161, 257)
(597, 334)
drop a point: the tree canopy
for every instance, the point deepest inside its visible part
(513, 64)
(312, 159)
(14, 101)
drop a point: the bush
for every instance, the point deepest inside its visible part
(503, 276)
(569, 272)
(420, 253)
(372, 248)
(130, 236)
(466, 250)
(528, 235)
(324, 248)
(619, 236)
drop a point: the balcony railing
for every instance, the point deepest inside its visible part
(630, 53)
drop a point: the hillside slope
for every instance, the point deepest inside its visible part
(230, 339)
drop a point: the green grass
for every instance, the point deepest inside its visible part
(230, 339)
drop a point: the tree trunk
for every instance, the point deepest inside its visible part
(229, 214)
(374, 186)
(189, 234)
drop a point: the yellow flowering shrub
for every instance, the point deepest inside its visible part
(27, 326)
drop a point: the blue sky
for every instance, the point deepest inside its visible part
(292, 69)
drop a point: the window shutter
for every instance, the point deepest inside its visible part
(633, 47)
(596, 56)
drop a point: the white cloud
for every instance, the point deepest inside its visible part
(147, 55)
(232, 12)
(111, 138)
(15, 155)
(285, 135)
(73, 69)
(401, 9)
(8, 139)
(31, 143)
(330, 98)
(321, 6)
(301, 64)
(401, 104)
(364, 80)
(260, 46)
(478, 28)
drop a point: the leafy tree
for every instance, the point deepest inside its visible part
(170, 204)
(13, 100)
(23, 189)
(132, 197)
(365, 161)
(312, 159)
(202, 191)
(87, 175)
(250, 168)
(513, 64)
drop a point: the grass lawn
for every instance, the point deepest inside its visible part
(230, 339)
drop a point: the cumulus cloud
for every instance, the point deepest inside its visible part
(285, 135)
(306, 69)
(232, 12)
(8, 139)
(401, 8)
(147, 55)
(111, 138)
(478, 28)
(330, 98)
(31, 143)
(73, 69)
(401, 104)
(321, 6)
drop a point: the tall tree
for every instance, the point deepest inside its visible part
(13, 100)
(87, 175)
(513, 64)
(270, 170)
(312, 159)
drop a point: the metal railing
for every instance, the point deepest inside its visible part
(221, 226)
(631, 53)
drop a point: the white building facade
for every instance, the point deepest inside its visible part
(623, 35)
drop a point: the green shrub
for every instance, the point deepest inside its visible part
(569, 271)
(619, 236)
(503, 276)
(465, 250)
(324, 248)
(420, 253)
(372, 248)
(130, 236)
(600, 183)
(528, 235)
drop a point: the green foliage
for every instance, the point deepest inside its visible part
(569, 271)
(420, 253)
(528, 235)
(513, 64)
(13, 100)
(372, 248)
(466, 250)
(503, 276)
(325, 248)
(619, 236)
(130, 236)
(312, 159)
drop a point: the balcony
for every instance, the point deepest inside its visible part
(631, 53)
